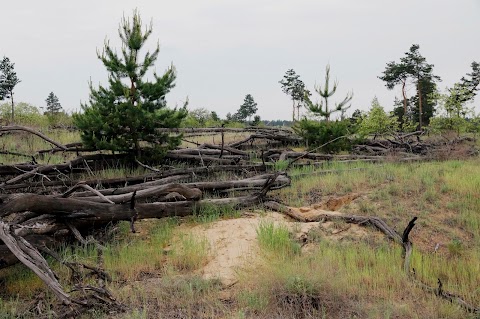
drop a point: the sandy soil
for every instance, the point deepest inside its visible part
(233, 242)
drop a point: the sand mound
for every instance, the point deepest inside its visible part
(233, 244)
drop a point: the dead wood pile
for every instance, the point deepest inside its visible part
(411, 143)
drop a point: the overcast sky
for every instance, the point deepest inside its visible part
(226, 49)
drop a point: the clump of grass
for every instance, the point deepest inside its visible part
(211, 213)
(189, 253)
(19, 280)
(281, 165)
(455, 247)
(277, 240)
(366, 207)
(130, 257)
(252, 301)
(175, 296)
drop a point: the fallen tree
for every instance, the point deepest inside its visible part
(403, 240)
(27, 219)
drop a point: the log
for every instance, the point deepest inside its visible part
(32, 131)
(231, 150)
(98, 161)
(189, 193)
(112, 182)
(234, 159)
(31, 258)
(256, 181)
(390, 233)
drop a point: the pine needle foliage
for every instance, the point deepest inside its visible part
(53, 104)
(125, 115)
(323, 108)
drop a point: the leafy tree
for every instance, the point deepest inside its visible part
(201, 117)
(247, 109)
(53, 104)
(128, 112)
(413, 66)
(25, 114)
(322, 108)
(8, 81)
(295, 88)
(377, 121)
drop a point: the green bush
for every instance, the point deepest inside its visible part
(316, 133)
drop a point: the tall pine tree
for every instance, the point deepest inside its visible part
(8, 81)
(293, 86)
(413, 66)
(125, 115)
(53, 104)
(247, 109)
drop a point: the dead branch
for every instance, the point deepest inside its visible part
(27, 129)
(88, 188)
(31, 258)
(389, 232)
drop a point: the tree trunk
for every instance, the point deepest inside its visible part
(419, 105)
(404, 83)
(13, 108)
(293, 114)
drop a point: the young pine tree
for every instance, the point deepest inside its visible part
(125, 115)
(324, 109)
(8, 81)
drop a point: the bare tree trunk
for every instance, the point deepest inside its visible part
(404, 83)
(293, 115)
(13, 107)
(419, 105)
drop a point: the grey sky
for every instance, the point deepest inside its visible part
(226, 49)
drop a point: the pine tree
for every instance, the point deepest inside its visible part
(126, 115)
(293, 86)
(413, 66)
(323, 108)
(53, 104)
(8, 81)
(247, 109)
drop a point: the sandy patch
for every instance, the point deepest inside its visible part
(232, 244)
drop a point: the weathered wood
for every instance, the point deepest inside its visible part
(95, 160)
(112, 182)
(189, 193)
(256, 181)
(31, 258)
(234, 159)
(231, 150)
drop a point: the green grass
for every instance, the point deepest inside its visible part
(210, 213)
(277, 239)
(190, 253)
